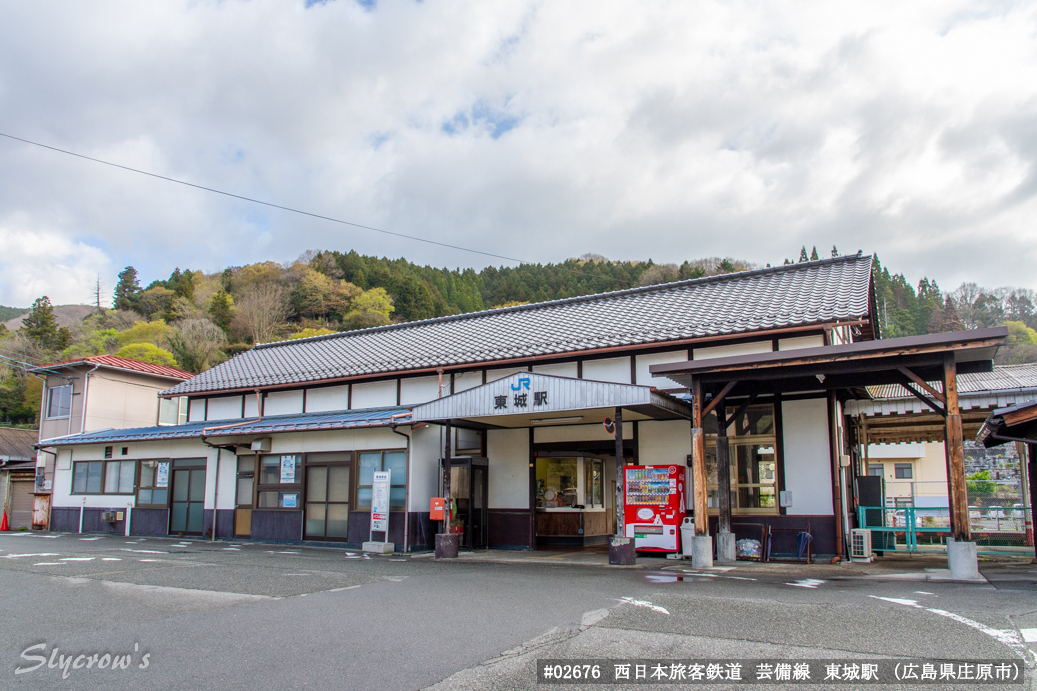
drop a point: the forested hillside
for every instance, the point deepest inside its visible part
(194, 320)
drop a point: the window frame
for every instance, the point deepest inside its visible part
(734, 442)
(78, 464)
(122, 463)
(152, 487)
(899, 468)
(876, 466)
(50, 399)
(281, 488)
(104, 477)
(357, 505)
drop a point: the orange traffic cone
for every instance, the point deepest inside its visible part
(3, 523)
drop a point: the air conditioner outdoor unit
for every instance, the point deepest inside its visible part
(860, 545)
(108, 517)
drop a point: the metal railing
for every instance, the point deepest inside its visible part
(997, 529)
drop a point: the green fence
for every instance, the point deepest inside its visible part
(996, 529)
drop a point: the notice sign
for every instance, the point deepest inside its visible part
(287, 469)
(380, 501)
(162, 475)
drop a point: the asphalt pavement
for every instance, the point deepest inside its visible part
(108, 612)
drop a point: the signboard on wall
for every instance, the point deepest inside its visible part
(380, 501)
(162, 474)
(287, 469)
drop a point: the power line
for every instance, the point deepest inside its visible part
(294, 210)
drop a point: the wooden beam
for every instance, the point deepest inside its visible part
(922, 383)
(744, 407)
(698, 459)
(719, 397)
(918, 394)
(954, 447)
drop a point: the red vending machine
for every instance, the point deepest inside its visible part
(654, 506)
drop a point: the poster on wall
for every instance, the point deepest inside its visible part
(291, 500)
(287, 469)
(380, 502)
(162, 474)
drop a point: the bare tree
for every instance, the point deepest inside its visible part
(196, 344)
(262, 310)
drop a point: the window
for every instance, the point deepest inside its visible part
(752, 460)
(375, 461)
(280, 482)
(154, 483)
(246, 480)
(119, 477)
(556, 482)
(86, 477)
(902, 471)
(593, 489)
(59, 402)
(876, 470)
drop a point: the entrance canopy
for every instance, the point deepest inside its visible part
(905, 361)
(528, 399)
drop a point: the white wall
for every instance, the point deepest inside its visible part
(615, 370)
(912, 451)
(736, 349)
(508, 453)
(196, 411)
(228, 481)
(424, 467)
(595, 432)
(251, 405)
(464, 381)
(327, 398)
(375, 394)
(283, 403)
(558, 369)
(421, 390)
(645, 378)
(662, 442)
(495, 374)
(798, 342)
(808, 464)
(224, 408)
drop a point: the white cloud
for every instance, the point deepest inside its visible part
(34, 263)
(535, 130)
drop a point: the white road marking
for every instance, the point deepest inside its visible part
(1009, 638)
(296, 574)
(149, 559)
(145, 551)
(1029, 635)
(338, 590)
(111, 559)
(77, 559)
(89, 538)
(49, 563)
(643, 603)
(41, 554)
(807, 583)
(593, 617)
(232, 549)
(922, 592)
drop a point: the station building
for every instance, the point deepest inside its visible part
(281, 442)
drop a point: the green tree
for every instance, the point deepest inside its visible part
(813, 254)
(147, 352)
(41, 327)
(803, 254)
(370, 308)
(196, 343)
(127, 290)
(221, 308)
(979, 485)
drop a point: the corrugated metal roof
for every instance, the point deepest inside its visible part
(798, 294)
(18, 443)
(121, 363)
(312, 422)
(1003, 378)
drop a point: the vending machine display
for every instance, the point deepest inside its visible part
(654, 506)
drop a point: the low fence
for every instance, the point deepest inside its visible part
(996, 529)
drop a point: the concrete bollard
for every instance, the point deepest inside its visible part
(963, 560)
(702, 552)
(726, 548)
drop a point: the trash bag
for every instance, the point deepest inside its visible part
(748, 549)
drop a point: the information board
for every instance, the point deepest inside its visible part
(380, 501)
(287, 469)
(162, 475)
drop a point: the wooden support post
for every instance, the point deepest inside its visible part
(1032, 477)
(723, 471)
(698, 459)
(955, 449)
(837, 471)
(620, 479)
(446, 479)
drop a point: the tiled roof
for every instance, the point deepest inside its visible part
(798, 294)
(1003, 378)
(306, 422)
(17, 443)
(121, 363)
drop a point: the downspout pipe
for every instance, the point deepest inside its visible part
(219, 448)
(393, 423)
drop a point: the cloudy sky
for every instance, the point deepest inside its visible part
(540, 131)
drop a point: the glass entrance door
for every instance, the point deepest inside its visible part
(327, 501)
(243, 503)
(469, 491)
(188, 511)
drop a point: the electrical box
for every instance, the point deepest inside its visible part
(118, 515)
(844, 460)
